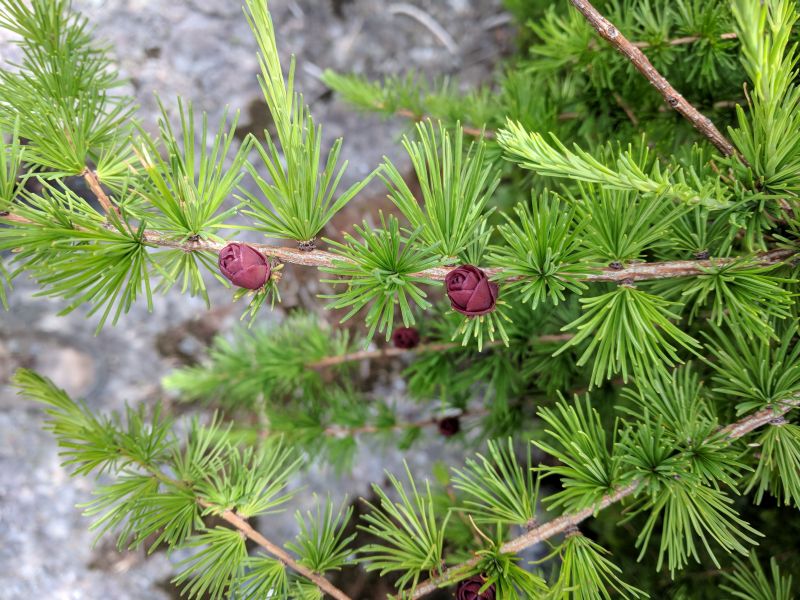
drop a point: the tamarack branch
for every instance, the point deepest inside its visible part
(332, 361)
(637, 271)
(247, 531)
(243, 526)
(565, 522)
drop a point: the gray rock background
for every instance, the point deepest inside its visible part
(202, 50)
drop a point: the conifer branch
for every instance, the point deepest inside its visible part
(470, 130)
(338, 431)
(746, 425)
(568, 521)
(637, 271)
(247, 530)
(626, 109)
(306, 258)
(688, 39)
(609, 32)
(332, 361)
(467, 129)
(644, 271)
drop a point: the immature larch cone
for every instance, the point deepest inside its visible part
(470, 291)
(469, 589)
(405, 338)
(244, 266)
(449, 426)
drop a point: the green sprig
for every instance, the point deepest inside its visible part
(456, 186)
(381, 270)
(542, 254)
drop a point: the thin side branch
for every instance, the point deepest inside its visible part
(467, 129)
(244, 527)
(533, 536)
(689, 39)
(627, 109)
(338, 431)
(332, 361)
(609, 32)
(279, 553)
(565, 522)
(681, 41)
(91, 179)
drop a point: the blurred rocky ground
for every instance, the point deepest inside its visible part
(202, 50)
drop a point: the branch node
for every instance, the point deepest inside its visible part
(307, 245)
(572, 531)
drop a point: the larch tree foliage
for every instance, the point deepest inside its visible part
(595, 278)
